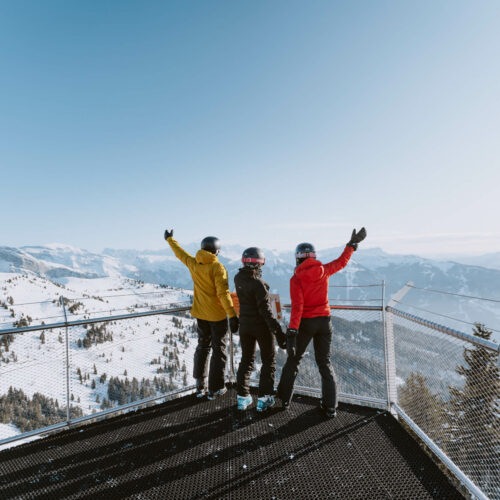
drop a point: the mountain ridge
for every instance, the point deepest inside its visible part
(59, 262)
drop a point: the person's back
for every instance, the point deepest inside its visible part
(209, 294)
(211, 300)
(257, 326)
(212, 305)
(253, 295)
(311, 278)
(310, 319)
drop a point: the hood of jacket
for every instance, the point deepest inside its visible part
(310, 270)
(204, 257)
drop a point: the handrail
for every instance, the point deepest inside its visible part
(487, 344)
(366, 400)
(92, 321)
(347, 308)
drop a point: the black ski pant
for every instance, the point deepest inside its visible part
(320, 330)
(211, 335)
(250, 335)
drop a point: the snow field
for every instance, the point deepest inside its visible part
(36, 361)
(135, 344)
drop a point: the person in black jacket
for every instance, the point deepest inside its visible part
(257, 325)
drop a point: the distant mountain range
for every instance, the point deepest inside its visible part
(490, 260)
(368, 266)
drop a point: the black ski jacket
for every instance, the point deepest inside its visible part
(255, 303)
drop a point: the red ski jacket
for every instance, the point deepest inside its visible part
(309, 287)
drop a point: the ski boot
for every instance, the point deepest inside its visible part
(244, 402)
(265, 402)
(213, 395)
(201, 388)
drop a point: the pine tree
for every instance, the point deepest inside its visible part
(425, 408)
(474, 414)
(42, 337)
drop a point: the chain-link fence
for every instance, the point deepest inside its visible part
(446, 383)
(115, 363)
(358, 352)
(450, 388)
(59, 373)
(32, 381)
(357, 356)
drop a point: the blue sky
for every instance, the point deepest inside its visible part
(264, 123)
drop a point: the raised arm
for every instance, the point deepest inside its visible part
(338, 264)
(297, 296)
(222, 290)
(179, 252)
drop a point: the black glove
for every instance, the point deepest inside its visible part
(169, 234)
(357, 237)
(280, 336)
(291, 342)
(234, 324)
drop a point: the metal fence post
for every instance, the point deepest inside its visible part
(390, 355)
(386, 360)
(231, 355)
(68, 409)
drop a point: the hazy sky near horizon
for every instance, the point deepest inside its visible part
(264, 123)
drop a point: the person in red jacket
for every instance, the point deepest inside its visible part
(310, 319)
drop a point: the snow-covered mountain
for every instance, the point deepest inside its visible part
(490, 260)
(111, 363)
(116, 362)
(58, 261)
(368, 266)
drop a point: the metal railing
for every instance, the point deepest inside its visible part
(357, 356)
(448, 392)
(61, 374)
(443, 383)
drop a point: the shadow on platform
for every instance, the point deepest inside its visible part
(189, 449)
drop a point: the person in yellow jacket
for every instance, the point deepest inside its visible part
(212, 304)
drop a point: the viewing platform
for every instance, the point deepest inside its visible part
(110, 398)
(188, 448)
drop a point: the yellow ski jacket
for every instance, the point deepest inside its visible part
(212, 300)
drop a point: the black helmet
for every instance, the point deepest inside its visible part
(303, 251)
(253, 257)
(211, 244)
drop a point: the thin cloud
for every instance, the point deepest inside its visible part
(307, 225)
(433, 236)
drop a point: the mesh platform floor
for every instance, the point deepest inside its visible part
(187, 448)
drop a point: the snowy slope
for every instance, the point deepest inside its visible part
(490, 260)
(368, 266)
(141, 351)
(34, 362)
